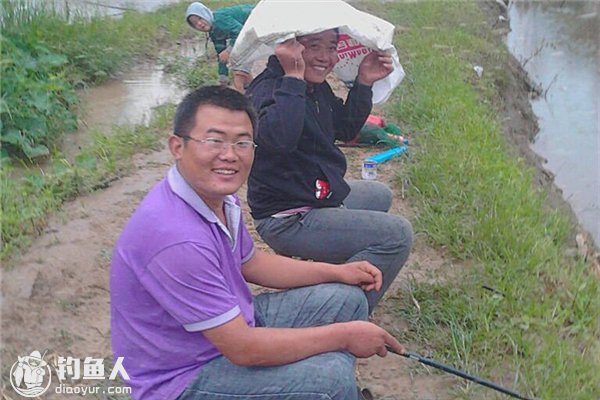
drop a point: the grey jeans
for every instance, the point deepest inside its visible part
(327, 376)
(360, 230)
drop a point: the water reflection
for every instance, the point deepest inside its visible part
(90, 8)
(125, 101)
(558, 44)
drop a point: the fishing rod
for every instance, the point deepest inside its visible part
(457, 372)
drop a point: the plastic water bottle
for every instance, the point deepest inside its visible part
(369, 170)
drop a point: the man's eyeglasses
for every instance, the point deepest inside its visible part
(217, 145)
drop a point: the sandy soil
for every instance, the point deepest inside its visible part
(56, 296)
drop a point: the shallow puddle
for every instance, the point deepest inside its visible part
(128, 100)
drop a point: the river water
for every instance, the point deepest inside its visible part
(557, 42)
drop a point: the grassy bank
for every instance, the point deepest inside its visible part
(539, 331)
(26, 202)
(45, 57)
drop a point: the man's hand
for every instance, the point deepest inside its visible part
(375, 66)
(224, 56)
(289, 54)
(361, 273)
(365, 339)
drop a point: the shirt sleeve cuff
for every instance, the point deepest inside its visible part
(213, 322)
(249, 255)
(293, 85)
(363, 89)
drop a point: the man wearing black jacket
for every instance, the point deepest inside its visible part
(299, 199)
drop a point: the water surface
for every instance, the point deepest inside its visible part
(557, 42)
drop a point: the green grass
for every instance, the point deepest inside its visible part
(26, 202)
(44, 58)
(542, 333)
(191, 74)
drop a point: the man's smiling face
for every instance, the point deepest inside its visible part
(320, 55)
(215, 172)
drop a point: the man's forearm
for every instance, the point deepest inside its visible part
(248, 346)
(352, 115)
(279, 272)
(281, 115)
(287, 345)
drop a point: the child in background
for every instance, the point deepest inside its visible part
(223, 27)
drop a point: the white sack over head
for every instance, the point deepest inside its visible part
(275, 21)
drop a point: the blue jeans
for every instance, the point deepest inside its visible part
(361, 230)
(326, 376)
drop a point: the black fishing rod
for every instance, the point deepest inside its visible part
(457, 372)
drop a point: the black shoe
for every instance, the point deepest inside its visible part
(365, 394)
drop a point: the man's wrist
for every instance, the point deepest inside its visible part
(294, 85)
(362, 81)
(341, 334)
(335, 273)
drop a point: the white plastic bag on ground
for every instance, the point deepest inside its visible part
(274, 21)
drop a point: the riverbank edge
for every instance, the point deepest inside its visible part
(526, 280)
(520, 125)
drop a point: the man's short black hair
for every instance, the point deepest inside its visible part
(219, 96)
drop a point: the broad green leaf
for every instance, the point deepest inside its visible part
(52, 60)
(40, 100)
(13, 136)
(3, 105)
(35, 151)
(36, 181)
(34, 127)
(4, 157)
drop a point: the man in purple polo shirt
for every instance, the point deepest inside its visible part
(183, 316)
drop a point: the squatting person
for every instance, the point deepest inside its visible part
(300, 201)
(182, 314)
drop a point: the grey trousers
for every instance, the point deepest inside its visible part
(326, 376)
(360, 230)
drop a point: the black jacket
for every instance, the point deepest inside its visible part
(295, 136)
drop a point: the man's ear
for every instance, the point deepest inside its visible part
(176, 145)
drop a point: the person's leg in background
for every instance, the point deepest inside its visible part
(368, 195)
(223, 73)
(345, 234)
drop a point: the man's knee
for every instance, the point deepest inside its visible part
(333, 373)
(381, 195)
(369, 195)
(351, 299)
(398, 233)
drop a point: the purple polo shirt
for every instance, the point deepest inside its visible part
(176, 271)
